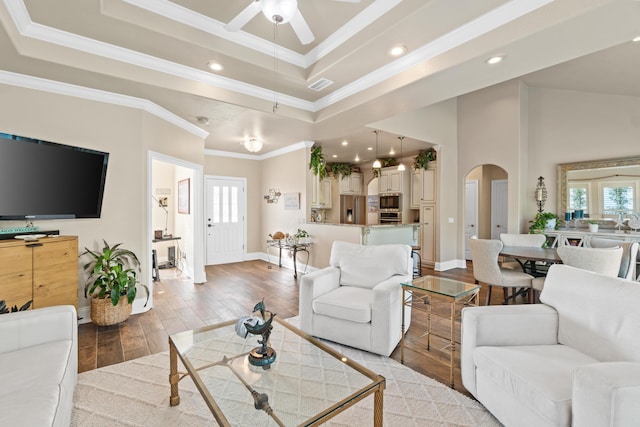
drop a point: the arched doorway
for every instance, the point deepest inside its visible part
(485, 203)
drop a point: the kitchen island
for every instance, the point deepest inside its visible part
(322, 236)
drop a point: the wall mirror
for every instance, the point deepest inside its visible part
(603, 188)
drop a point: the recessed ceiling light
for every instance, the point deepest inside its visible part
(357, 159)
(369, 148)
(398, 50)
(335, 156)
(345, 143)
(636, 39)
(391, 152)
(495, 59)
(215, 66)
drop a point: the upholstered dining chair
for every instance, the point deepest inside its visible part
(599, 260)
(629, 255)
(522, 240)
(484, 256)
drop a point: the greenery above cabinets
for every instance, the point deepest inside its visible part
(317, 163)
(421, 161)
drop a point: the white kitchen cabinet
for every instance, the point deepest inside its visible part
(428, 234)
(423, 186)
(351, 184)
(321, 193)
(391, 180)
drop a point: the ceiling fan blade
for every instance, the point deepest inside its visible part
(301, 28)
(241, 19)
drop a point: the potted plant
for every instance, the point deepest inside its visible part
(339, 170)
(421, 161)
(301, 236)
(317, 163)
(111, 283)
(544, 221)
(593, 226)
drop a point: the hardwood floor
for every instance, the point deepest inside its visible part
(230, 291)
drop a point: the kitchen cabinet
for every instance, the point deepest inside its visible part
(391, 180)
(428, 234)
(44, 270)
(351, 184)
(423, 186)
(321, 193)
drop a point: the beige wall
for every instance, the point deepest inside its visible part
(126, 134)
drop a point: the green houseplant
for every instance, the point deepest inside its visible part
(4, 309)
(339, 170)
(111, 283)
(317, 163)
(421, 161)
(539, 224)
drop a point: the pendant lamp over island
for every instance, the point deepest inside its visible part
(377, 164)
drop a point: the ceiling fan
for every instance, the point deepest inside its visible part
(278, 12)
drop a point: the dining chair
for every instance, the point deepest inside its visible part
(599, 260)
(484, 257)
(629, 255)
(522, 240)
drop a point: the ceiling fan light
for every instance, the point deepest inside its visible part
(253, 145)
(279, 11)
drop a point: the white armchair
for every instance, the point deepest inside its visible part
(357, 300)
(573, 360)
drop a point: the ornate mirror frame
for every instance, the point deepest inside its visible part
(564, 168)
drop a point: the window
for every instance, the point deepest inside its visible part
(617, 199)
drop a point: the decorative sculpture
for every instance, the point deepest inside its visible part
(264, 355)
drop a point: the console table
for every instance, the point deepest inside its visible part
(578, 237)
(293, 247)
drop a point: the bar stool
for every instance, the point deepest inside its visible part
(417, 266)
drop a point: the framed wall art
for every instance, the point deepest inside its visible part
(183, 196)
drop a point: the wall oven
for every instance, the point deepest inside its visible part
(389, 202)
(390, 217)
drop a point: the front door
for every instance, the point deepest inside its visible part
(225, 220)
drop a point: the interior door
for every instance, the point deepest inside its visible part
(499, 210)
(470, 214)
(225, 220)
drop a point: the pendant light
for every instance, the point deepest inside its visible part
(401, 165)
(377, 164)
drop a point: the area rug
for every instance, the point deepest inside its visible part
(136, 393)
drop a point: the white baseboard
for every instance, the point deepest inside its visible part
(451, 264)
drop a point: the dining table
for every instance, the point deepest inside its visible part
(533, 260)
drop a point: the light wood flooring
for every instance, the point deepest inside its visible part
(231, 291)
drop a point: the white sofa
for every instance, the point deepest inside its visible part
(38, 366)
(357, 300)
(572, 360)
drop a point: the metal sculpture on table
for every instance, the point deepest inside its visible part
(263, 355)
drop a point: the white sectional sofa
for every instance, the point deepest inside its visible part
(572, 360)
(38, 366)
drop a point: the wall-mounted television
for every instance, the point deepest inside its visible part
(47, 180)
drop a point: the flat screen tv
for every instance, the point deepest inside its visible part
(47, 180)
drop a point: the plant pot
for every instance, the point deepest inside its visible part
(104, 313)
(593, 228)
(551, 224)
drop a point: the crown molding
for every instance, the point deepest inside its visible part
(51, 86)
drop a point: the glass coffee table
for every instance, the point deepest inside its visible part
(306, 385)
(421, 294)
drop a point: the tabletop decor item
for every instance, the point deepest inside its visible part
(4, 309)
(263, 355)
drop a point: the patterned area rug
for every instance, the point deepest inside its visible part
(136, 393)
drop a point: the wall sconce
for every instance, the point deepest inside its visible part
(273, 196)
(541, 194)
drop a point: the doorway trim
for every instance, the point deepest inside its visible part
(198, 212)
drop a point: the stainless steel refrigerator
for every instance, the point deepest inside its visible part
(353, 209)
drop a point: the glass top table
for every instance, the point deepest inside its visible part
(306, 385)
(424, 289)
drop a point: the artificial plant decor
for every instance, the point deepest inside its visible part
(4, 309)
(111, 282)
(539, 224)
(339, 170)
(386, 162)
(421, 161)
(317, 163)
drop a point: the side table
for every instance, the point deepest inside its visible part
(420, 293)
